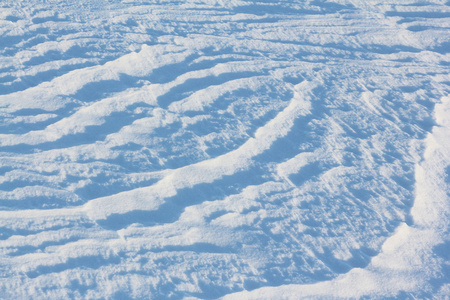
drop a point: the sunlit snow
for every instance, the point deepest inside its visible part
(224, 149)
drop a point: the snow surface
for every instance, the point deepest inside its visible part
(224, 149)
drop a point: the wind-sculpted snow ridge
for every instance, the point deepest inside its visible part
(237, 149)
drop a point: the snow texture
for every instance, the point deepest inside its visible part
(224, 149)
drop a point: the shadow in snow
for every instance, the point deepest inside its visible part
(112, 123)
(323, 7)
(23, 250)
(83, 262)
(101, 89)
(418, 14)
(191, 85)
(173, 207)
(41, 202)
(54, 18)
(360, 259)
(195, 247)
(9, 41)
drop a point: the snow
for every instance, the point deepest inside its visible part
(224, 149)
(415, 258)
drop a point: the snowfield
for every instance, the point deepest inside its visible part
(224, 149)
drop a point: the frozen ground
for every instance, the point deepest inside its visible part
(239, 149)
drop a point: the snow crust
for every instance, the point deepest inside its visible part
(224, 149)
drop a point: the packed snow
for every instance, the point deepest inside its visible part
(224, 149)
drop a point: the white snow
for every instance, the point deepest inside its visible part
(224, 149)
